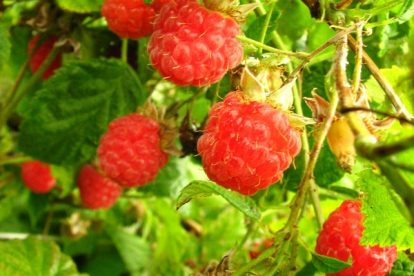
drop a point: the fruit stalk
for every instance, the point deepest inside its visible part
(358, 60)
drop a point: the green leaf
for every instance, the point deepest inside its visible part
(384, 224)
(5, 45)
(34, 257)
(329, 265)
(199, 189)
(134, 250)
(67, 118)
(80, 6)
(294, 20)
(326, 170)
(172, 240)
(402, 268)
(255, 29)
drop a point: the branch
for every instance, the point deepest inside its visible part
(382, 81)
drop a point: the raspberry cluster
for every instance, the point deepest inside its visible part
(340, 239)
(37, 176)
(192, 45)
(41, 54)
(246, 144)
(131, 18)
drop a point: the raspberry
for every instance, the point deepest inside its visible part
(130, 152)
(96, 190)
(37, 176)
(340, 239)
(192, 45)
(41, 54)
(131, 18)
(247, 145)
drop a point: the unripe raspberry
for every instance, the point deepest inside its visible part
(340, 239)
(41, 54)
(246, 144)
(131, 18)
(192, 45)
(37, 176)
(96, 190)
(130, 152)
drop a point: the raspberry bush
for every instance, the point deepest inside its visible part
(195, 138)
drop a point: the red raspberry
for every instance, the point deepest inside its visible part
(131, 18)
(192, 45)
(41, 54)
(130, 152)
(37, 176)
(247, 145)
(340, 239)
(96, 190)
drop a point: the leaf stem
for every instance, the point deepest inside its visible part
(299, 55)
(265, 26)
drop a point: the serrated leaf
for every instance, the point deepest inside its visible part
(199, 189)
(384, 224)
(5, 45)
(67, 118)
(80, 6)
(134, 250)
(329, 265)
(402, 268)
(35, 257)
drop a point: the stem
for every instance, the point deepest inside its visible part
(265, 254)
(331, 41)
(124, 50)
(400, 186)
(265, 26)
(358, 60)
(14, 160)
(383, 113)
(307, 176)
(18, 81)
(48, 220)
(300, 55)
(382, 81)
(32, 81)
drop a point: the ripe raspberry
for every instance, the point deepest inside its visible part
(247, 145)
(37, 176)
(131, 18)
(41, 54)
(192, 45)
(96, 190)
(340, 239)
(130, 152)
